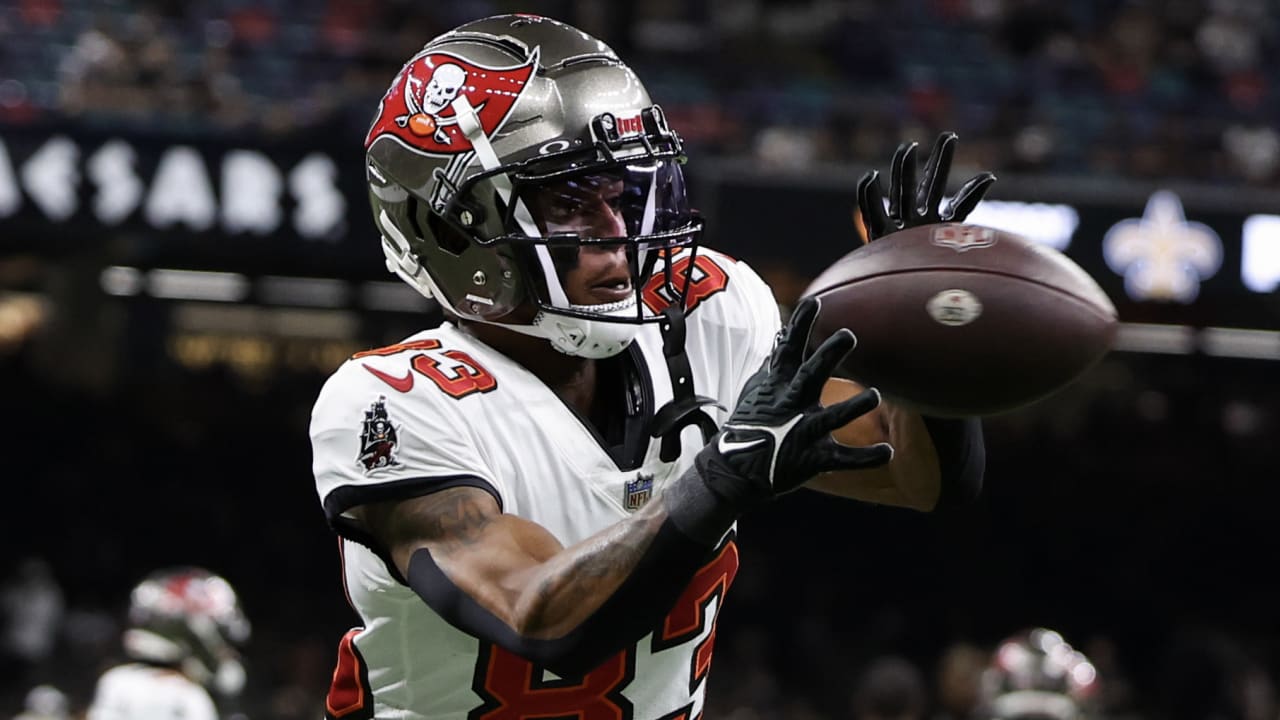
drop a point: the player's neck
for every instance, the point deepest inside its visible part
(572, 378)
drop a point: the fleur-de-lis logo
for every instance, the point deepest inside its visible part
(1162, 256)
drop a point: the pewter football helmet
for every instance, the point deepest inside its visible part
(1036, 675)
(189, 618)
(475, 131)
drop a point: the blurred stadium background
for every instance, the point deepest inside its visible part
(185, 253)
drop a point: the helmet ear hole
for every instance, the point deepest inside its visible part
(447, 237)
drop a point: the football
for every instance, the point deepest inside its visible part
(963, 320)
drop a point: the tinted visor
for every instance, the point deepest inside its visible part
(626, 201)
(638, 209)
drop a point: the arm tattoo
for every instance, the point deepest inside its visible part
(591, 571)
(562, 591)
(457, 518)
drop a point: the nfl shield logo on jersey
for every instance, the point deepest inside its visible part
(638, 492)
(377, 438)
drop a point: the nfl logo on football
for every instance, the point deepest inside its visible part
(638, 492)
(963, 237)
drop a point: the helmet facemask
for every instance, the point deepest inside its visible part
(627, 193)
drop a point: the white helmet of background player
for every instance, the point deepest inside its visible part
(488, 132)
(1036, 675)
(190, 619)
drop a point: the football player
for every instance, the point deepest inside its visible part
(537, 499)
(1036, 675)
(184, 627)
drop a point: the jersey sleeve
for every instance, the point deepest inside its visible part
(733, 318)
(760, 305)
(371, 443)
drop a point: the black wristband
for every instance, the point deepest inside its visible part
(695, 510)
(962, 458)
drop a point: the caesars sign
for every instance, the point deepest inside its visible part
(208, 199)
(195, 188)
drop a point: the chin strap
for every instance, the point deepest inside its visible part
(579, 337)
(685, 408)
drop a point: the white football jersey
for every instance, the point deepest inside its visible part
(441, 409)
(143, 692)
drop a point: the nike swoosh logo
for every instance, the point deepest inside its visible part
(727, 446)
(404, 384)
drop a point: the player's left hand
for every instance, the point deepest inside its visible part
(911, 205)
(779, 435)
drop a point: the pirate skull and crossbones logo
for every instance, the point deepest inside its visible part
(425, 101)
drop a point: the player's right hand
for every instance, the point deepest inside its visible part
(779, 435)
(912, 205)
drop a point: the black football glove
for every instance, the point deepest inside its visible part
(911, 205)
(778, 436)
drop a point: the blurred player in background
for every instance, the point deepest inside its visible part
(45, 702)
(1036, 675)
(538, 498)
(184, 627)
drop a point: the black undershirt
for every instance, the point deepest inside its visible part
(621, 407)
